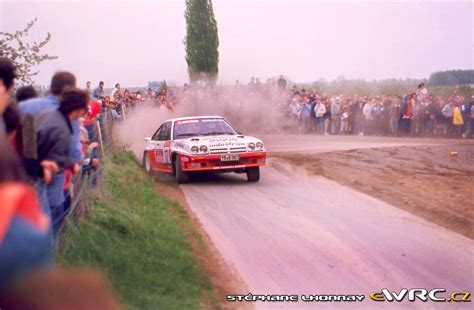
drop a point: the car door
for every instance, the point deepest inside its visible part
(152, 147)
(162, 149)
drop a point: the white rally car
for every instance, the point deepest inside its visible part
(202, 143)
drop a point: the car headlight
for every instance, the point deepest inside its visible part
(195, 149)
(252, 146)
(203, 149)
(259, 145)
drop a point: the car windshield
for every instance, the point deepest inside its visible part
(202, 127)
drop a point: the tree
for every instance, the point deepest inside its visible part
(452, 77)
(201, 42)
(24, 55)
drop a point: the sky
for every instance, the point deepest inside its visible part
(133, 42)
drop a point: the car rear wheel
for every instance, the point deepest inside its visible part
(253, 174)
(181, 176)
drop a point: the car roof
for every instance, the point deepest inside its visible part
(192, 117)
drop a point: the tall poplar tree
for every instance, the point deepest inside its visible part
(202, 41)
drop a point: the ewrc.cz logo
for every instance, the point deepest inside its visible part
(420, 294)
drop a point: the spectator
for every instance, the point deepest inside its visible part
(281, 83)
(54, 135)
(99, 91)
(88, 87)
(251, 86)
(25, 245)
(24, 238)
(320, 111)
(407, 114)
(7, 75)
(25, 93)
(345, 119)
(394, 115)
(377, 114)
(149, 94)
(11, 117)
(421, 92)
(465, 112)
(115, 92)
(327, 117)
(471, 116)
(335, 115)
(369, 117)
(358, 117)
(50, 191)
(306, 114)
(458, 122)
(448, 111)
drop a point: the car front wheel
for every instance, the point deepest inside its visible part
(253, 174)
(181, 176)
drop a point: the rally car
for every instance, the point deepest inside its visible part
(206, 143)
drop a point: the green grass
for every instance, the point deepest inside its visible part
(134, 236)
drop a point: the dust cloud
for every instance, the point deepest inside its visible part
(250, 112)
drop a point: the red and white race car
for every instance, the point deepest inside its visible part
(202, 143)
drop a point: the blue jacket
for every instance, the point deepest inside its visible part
(36, 105)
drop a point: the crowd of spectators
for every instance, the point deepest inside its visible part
(414, 114)
(120, 100)
(45, 142)
(417, 113)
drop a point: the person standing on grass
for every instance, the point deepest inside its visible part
(368, 117)
(471, 116)
(306, 114)
(319, 111)
(335, 115)
(327, 117)
(313, 125)
(465, 111)
(54, 133)
(448, 111)
(358, 117)
(51, 193)
(377, 114)
(407, 114)
(394, 115)
(458, 122)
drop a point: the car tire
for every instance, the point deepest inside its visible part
(146, 164)
(181, 176)
(253, 174)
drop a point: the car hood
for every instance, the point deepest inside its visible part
(221, 140)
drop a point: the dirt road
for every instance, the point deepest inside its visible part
(297, 233)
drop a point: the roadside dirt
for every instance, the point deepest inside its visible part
(224, 280)
(423, 180)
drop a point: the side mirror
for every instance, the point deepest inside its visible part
(147, 139)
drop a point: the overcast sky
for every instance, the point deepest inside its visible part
(133, 42)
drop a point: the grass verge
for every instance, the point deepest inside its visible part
(135, 237)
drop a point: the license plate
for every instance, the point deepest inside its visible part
(230, 157)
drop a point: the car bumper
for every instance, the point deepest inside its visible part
(213, 162)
